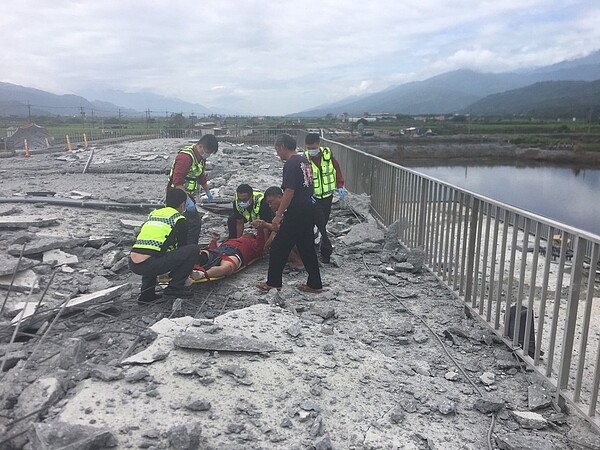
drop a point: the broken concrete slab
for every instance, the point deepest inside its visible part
(530, 420)
(98, 300)
(537, 397)
(223, 342)
(39, 395)
(45, 243)
(61, 435)
(9, 263)
(23, 282)
(57, 257)
(583, 437)
(133, 224)
(166, 330)
(27, 221)
(364, 232)
(80, 195)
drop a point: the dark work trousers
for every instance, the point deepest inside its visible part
(232, 225)
(194, 225)
(322, 213)
(179, 263)
(296, 229)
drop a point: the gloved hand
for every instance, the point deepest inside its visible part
(190, 205)
(209, 196)
(342, 193)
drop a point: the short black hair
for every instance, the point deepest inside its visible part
(312, 138)
(244, 189)
(175, 197)
(274, 191)
(210, 143)
(286, 140)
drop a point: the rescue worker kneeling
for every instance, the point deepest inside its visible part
(161, 247)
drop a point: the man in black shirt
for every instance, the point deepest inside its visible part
(295, 219)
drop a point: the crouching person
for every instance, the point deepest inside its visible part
(160, 247)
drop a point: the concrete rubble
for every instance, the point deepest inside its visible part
(233, 367)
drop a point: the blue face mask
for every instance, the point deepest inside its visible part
(243, 205)
(313, 152)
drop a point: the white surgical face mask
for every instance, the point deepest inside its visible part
(243, 205)
(313, 151)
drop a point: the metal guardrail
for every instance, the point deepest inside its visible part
(497, 259)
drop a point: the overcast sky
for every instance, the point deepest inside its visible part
(279, 57)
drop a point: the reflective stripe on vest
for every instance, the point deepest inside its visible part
(157, 228)
(323, 177)
(195, 172)
(252, 214)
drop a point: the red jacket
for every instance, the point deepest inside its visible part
(248, 247)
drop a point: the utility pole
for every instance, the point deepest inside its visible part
(29, 110)
(148, 118)
(82, 112)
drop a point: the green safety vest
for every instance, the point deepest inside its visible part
(323, 177)
(196, 169)
(252, 214)
(157, 228)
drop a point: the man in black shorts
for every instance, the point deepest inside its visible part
(295, 219)
(221, 260)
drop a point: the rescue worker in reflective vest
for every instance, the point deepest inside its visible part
(248, 205)
(187, 173)
(161, 247)
(327, 177)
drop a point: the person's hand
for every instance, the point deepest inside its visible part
(342, 193)
(258, 223)
(215, 236)
(190, 205)
(209, 196)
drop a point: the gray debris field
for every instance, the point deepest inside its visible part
(384, 358)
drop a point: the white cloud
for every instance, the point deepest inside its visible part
(280, 57)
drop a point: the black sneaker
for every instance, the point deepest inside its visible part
(176, 292)
(149, 298)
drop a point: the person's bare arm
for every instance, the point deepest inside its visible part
(288, 195)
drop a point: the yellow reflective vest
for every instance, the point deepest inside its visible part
(253, 213)
(323, 177)
(196, 169)
(157, 228)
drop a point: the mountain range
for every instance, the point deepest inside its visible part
(455, 91)
(460, 91)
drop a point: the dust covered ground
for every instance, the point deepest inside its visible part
(384, 358)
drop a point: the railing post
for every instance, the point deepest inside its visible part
(471, 248)
(571, 317)
(422, 213)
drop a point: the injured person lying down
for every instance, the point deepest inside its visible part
(219, 261)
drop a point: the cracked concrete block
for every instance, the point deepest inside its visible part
(9, 263)
(23, 282)
(40, 394)
(57, 257)
(61, 435)
(27, 221)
